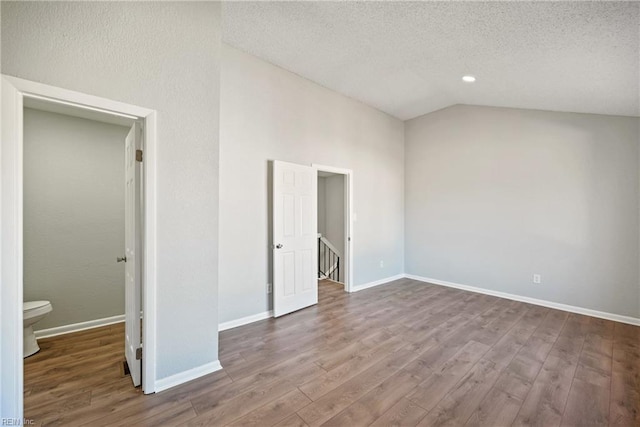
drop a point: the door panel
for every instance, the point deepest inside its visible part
(295, 284)
(288, 271)
(289, 212)
(308, 276)
(307, 221)
(133, 142)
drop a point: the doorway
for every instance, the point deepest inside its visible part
(16, 95)
(81, 233)
(335, 225)
(331, 228)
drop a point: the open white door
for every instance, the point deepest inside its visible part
(295, 225)
(132, 258)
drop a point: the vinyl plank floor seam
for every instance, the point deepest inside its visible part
(541, 366)
(571, 386)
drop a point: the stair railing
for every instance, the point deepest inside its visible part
(328, 260)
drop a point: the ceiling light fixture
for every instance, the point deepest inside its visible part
(468, 79)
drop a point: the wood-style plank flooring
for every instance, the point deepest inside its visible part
(401, 354)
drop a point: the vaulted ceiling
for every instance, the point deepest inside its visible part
(408, 58)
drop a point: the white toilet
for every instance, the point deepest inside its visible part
(33, 311)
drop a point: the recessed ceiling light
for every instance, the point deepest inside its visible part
(468, 79)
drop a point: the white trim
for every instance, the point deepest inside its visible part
(348, 220)
(77, 327)
(14, 90)
(544, 303)
(70, 97)
(188, 375)
(378, 282)
(149, 247)
(244, 320)
(11, 370)
(70, 104)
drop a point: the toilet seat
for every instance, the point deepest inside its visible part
(35, 308)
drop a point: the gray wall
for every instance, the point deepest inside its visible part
(73, 216)
(331, 210)
(164, 56)
(322, 221)
(494, 195)
(268, 113)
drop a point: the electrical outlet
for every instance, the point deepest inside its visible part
(269, 288)
(537, 279)
(381, 264)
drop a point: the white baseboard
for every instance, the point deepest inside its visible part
(378, 282)
(77, 327)
(544, 303)
(189, 375)
(244, 320)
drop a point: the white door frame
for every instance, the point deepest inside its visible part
(348, 219)
(14, 90)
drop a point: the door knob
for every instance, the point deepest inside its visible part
(123, 259)
(278, 246)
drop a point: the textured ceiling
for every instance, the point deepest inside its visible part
(407, 58)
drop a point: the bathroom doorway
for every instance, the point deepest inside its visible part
(34, 171)
(73, 209)
(81, 265)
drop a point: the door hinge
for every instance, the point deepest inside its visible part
(138, 155)
(139, 353)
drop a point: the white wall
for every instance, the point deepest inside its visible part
(73, 216)
(163, 56)
(268, 113)
(331, 210)
(494, 195)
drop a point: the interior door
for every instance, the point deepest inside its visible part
(295, 224)
(132, 259)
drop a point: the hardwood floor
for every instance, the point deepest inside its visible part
(401, 354)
